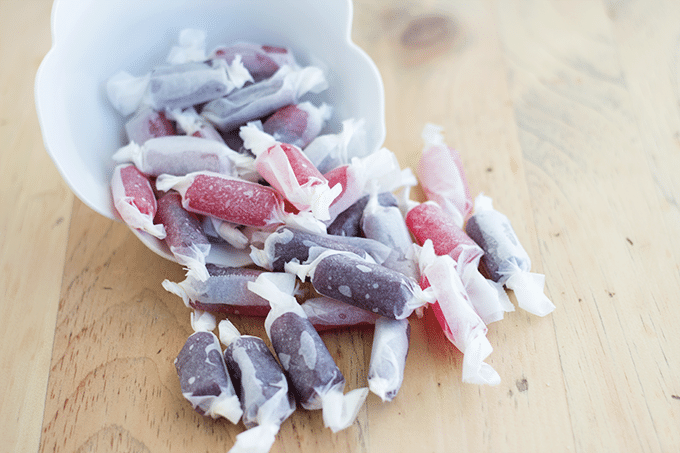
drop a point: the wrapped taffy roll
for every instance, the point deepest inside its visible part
(317, 381)
(459, 321)
(185, 237)
(260, 99)
(289, 171)
(505, 259)
(134, 199)
(297, 124)
(179, 155)
(289, 244)
(262, 388)
(235, 200)
(388, 357)
(261, 61)
(147, 123)
(379, 170)
(386, 225)
(348, 278)
(428, 221)
(441, 175)
(204, 378)
(330, 151)
(191, 123)
(327, 314)
(348, 222)
(225, 291)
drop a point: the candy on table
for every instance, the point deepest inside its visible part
(234, 200)
(179, 155)
(185, 237)
(260, 99)
(429, 221)
(505, 259)
(191, 123)
(442, 177)
(297, 124)
(388, 357)
(348, 222)
(333, 150)
(326, 314)
(262, 388)
(261, 61)
(225, 291)
(134, 199)
(288, 170)
(386, 224)
(378, 171)
(317, 381)
(147, 123)
(348, 278)
(461, 324)
(204, 379)
(289, 244)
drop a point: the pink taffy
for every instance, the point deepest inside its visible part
(146, 124)
(134, 199)
(289, 171)
(461, 325)
(234, 200)
(441, 175)
(261, 61)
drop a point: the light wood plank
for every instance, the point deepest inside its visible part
(35, 209)
(590, 180)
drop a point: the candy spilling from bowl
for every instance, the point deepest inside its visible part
(232, 150)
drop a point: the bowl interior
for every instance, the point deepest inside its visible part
(92, 40)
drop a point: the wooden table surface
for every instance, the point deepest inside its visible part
(566, 113)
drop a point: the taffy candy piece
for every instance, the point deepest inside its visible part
(290, 172)
(147, 123)
(179, 155)
(185, 237)
(326, 314)
(204, 379)
(188, 84)
(429, 221)
(262, 388)
(234, 200)
(441, 175)
(388, 357)
(134, 199)
(297, 124)
(330, 151)
(289, 244)
(348, 278)
(260, 99)
(386, 224)
(505, 259)
(348, 222)
(461, 324)
(191, 123)
(261, 61)
(378, 171)
(316, 379)
(225, 291)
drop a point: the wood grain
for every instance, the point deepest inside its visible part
(566, 113)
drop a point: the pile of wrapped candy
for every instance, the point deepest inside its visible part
(225, 152)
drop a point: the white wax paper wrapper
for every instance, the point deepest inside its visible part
(388, 357)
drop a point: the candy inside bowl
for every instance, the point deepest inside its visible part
(93, 40)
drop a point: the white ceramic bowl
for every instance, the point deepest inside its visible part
(92, 40)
